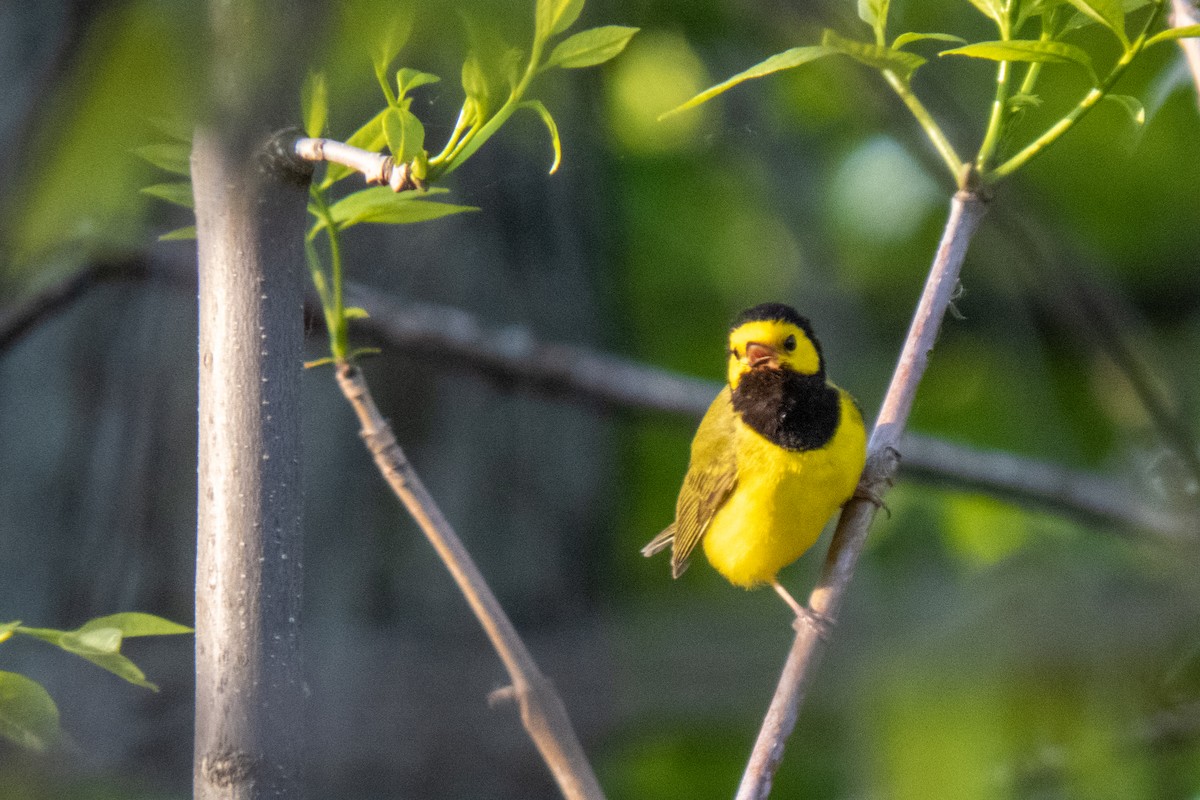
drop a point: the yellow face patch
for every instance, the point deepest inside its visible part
(791, 344)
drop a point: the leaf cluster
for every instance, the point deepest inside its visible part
(28, 715)
(496, 78)
(1032, 33)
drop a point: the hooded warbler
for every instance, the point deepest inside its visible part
(779, 450)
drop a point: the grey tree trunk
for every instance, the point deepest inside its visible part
(250, 220)
(250, 228)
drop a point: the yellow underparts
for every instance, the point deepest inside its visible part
(782, 500)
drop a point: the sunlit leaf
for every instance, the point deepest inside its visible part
(904, 64)
(380, 204)
(874, 13)
(314, 104)
(356, 312)
(555, 16)
(171, 157)
(475, 84)
(7, 628)
(179, 234)
(780, 61)
(1027, 50)
(178, 193)
(28, 715)
(136, 623)
(394, 30)
(909, 38)
(1109, 13)
(1172, 34)
(591, 47)
(1133, 107)
(404, 133)
(408, 79)
(551, 126)
(992, 9)
(99, 641)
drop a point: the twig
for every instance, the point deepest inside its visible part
(966, 211)
(375, 167)
(542, 711)
(1185, 12)
(18, 320)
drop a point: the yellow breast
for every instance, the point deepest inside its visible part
(783, 500)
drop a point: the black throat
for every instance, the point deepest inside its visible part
(794, 411)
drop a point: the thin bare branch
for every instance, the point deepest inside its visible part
(1183, 13)
(581, 374)
(966, 211)
(375, 167)
(542, 711)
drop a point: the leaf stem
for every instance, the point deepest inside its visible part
(332, 299)
(1094, 96)
(928, 123)
(999, 113)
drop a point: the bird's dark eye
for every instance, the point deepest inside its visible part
(789, 343)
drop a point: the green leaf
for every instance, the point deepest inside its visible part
(178, 193)
(356, 312)
(409, 79)
(28, 715)
(172, 157)
(1132, 106)
(1027, 50)
(404, 133)
(992, 9)
(1109, 13)
(99, 641)
(369, 137)
(590, 47)
(551, 126)
(136, 623)
(179, 234)
(902, 63)
(381, 204)
(874, 13)
(909, 38)
(395, 31)
(780, 61)
(475, 84)
(314, 104)
(7, 628)
(555, 16)
(1172, 34)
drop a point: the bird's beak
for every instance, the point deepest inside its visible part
(761, 355)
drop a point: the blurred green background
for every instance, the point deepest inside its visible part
(987, 650)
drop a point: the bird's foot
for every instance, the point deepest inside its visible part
(872, 497)
(805, 617)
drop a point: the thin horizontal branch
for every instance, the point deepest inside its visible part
(456, 336)
(512, 353)
(375, 167)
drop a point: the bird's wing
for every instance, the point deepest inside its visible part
(711, 477)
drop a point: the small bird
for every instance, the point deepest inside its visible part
(779, 450)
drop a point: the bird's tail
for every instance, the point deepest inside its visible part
(660, 542)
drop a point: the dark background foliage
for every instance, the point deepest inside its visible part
(988, 650)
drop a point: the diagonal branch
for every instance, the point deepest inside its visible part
(966, 211)
(1183, 13)
(542, 711)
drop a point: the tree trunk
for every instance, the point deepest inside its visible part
(250, 220)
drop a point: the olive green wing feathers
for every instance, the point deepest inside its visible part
(711, 477)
